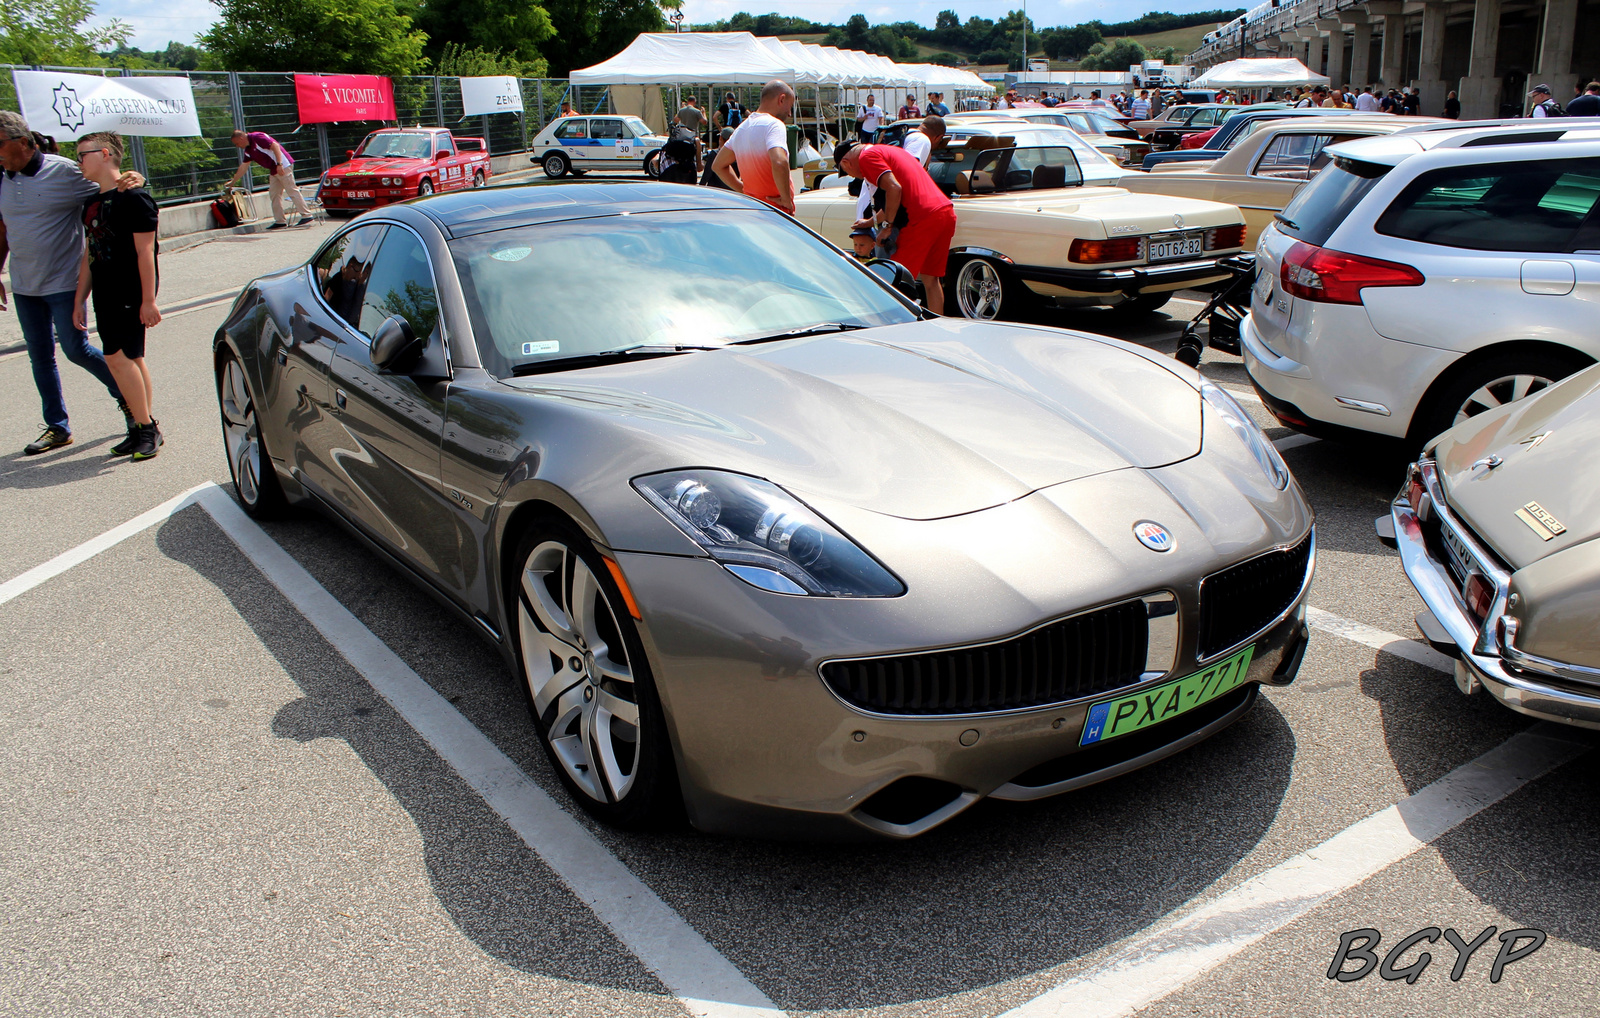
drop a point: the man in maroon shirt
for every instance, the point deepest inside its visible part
(924, 245)
(262, 149)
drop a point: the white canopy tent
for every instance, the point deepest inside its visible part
(1259, 72)
(709, 58)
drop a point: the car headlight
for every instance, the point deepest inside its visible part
(765, 536)
(1233, 415)
(327, 181)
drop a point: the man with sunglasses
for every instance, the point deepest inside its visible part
(41, 201)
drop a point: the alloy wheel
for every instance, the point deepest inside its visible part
(578, 672)
(240, 433)
(1500, 391)
(979, 291)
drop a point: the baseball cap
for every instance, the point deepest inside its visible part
(841, 150)
(1540, 88)
(862, 231)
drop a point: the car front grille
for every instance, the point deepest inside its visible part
(1076, 657)
(1243, 600)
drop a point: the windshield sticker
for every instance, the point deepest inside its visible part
(548, 346)
(512, 254)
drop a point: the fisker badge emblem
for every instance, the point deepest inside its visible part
(1153, 535)
(1177, 220)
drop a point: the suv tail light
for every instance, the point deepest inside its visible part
(1123, 249)
(1225, 236)
(1334, 277)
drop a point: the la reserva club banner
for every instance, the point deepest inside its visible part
(336, 98)
(69, 106)
(490, 95)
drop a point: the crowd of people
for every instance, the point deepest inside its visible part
(80, 234)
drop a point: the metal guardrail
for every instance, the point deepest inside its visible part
(183, 170)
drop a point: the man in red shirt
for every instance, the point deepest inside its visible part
(930, 215)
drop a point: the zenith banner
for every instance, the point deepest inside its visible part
(69, 106)
(490, 95)
(330, 98)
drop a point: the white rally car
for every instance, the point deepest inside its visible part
(579, 144)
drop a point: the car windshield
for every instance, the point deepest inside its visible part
(588, 288)
(639, 128)
(396, 146)
(1001, 170)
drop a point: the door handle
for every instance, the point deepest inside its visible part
(339, 397)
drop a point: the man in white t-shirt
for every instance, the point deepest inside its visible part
(760, 148)
(1366, 102)
(921, 141)
(868, 118)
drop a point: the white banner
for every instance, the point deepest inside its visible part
(490, 95)
(69, 106)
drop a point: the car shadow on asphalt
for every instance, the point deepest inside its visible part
(1000, 893)
(1535, 856)
(494, 889)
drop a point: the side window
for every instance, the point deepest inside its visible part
(1292, 156)
(343, 267)
(401, 284)
(1546, 205)
(607, 129)
(441, 143)
(573, 127)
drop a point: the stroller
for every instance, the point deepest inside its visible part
(1223, 312)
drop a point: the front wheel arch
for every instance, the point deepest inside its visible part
(1428, 410)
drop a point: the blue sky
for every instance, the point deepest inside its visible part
(157, 22)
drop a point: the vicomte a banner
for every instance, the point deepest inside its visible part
(69, 106)
(332, 98)
(490, 95)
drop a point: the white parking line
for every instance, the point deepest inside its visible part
(1295, 440)
(704, 981)
(1174, 954)
(1243, 395)
(1389, 643)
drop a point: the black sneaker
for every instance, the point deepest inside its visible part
(53, 438)
(279, 226)
(125, 446)
(148, 442)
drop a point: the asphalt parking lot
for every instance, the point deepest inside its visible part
(253, 771)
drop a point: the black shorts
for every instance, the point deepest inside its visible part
(120, 328)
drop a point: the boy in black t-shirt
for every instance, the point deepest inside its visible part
(119, 269)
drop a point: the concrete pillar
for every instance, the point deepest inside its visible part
(1555, 49)
(1394, 35)
(1429, 82)
(1360, 48)
(1334, 30)
(1313, 45)
(1480, 89)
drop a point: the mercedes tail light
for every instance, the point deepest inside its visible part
(1091, 252)
(1334, 277)
(1225, 237)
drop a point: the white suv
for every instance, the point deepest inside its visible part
(1429, 275)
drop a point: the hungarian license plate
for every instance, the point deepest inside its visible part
(361, 194)
(1123, 715)
(1182, 245)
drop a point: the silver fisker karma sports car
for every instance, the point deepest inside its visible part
(767, 545)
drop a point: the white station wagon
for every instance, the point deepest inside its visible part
(579, 144)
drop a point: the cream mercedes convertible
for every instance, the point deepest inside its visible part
(1029, 231)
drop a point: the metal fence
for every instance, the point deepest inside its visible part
(189, 169)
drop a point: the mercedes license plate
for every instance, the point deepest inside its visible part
(1124, 715)
(1179, 245)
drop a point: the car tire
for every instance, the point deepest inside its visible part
(1144, 304)
(478, 179)
(652, 165)
(424, 188)
(255, 480)
(1484, 384)
(556, 165)
(601, 723)
(985, 290)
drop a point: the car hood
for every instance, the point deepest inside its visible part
(380, 167)
(920, 421)
(1542, 443)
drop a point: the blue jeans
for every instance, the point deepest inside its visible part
(38, 316)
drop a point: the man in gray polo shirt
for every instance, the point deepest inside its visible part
(41, 204)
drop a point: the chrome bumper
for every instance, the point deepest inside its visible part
(1479, 656)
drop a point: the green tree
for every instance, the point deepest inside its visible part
(1113, 55)
(55, 32)
(1070, 43)
(947, 28)
(460, 62)
(512, 27)
(589, 31)
(945, 59)
(350, 36)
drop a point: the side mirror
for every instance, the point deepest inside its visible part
(441, 154)
(897, 276)
(349, 153)
(396, 349)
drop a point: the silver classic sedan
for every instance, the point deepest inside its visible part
(768, 546)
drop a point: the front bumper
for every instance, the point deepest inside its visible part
(1482, 661)
(1130, 281)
